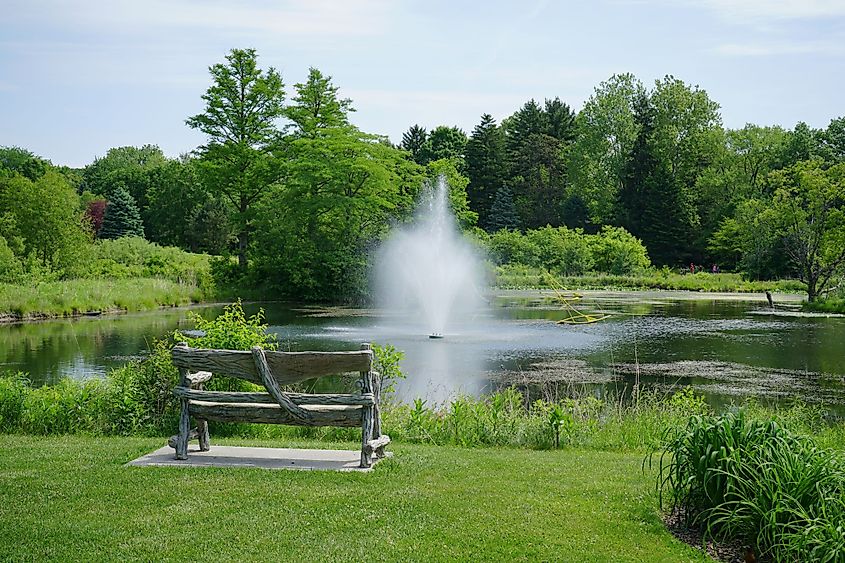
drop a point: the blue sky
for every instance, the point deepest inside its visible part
(77, 78)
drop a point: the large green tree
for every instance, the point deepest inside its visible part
(242, 107)
(809, 204)
(314, 231)
(413, 141)
(606, 131)
(42, 220)
(486, 168)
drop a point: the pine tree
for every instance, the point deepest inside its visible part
(486, 167)
(503, 213)
(122, 218)
(413, 141)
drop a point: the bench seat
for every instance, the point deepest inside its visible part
(266, 413)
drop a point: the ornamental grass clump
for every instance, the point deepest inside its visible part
(757, 482)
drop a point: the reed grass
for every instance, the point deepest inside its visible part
(523, 277)
(81, 296)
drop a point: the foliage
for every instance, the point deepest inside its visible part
(413, 141)
(606, 131)
(809, 205)
(503, 213)
(41, 222)
(134, 257)
(239, 120)
(618, 252)
(387, 359)
(571, 252)
(755, 481)
(518, 276)
(95, 212)
(78, 296)
(17, 160)
(122, 218)
(485, 168)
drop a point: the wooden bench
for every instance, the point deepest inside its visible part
(272, 370)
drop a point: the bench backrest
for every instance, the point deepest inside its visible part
(286, 367)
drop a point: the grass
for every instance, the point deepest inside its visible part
(74, 297)
(830, 305)
(759, 483)
(71, 498)
(521, 277)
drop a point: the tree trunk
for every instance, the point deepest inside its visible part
(243, 236)
(812, 290)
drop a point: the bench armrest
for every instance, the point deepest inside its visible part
(198, 378)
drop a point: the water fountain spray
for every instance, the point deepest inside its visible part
(429, 271)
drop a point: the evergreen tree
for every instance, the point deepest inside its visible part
(486, 167)
(413, 141)
(650, 200)
(559, 120)
(503, 213)
(122, 218)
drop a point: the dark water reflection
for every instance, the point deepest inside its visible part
(724, 346)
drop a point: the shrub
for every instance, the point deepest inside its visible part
(512, 247)
(616, 251)
(755, 481)
(562, 251)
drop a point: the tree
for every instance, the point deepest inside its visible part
(42, 219)
(679, 137)
(810, 206)
(122, 218)
(22, 161)
(242, 107)
(130, 167)
(445, 142)
(315, 231)
(833, 141)
(413, 141)
(486, 167)
(503, 213)
(536, 140)
(606, 129)
(95, 212)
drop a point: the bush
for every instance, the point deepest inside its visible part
(134, 257)
(757, 482)
(618, 252)
(562, 251)
(512, 247)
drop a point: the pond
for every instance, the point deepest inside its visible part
(726, 346)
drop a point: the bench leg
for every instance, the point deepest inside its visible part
(367, 435)
(184, 432)
(202, 435)
(377, 417)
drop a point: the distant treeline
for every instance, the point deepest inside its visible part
(288, 185)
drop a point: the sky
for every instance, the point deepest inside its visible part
(80, 77)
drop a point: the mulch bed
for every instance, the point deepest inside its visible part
(728, 552)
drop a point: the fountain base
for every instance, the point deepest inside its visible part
(435, 335)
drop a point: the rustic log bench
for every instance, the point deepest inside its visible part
(272, 370)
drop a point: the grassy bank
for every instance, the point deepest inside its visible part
(830, 305)
(71, 498)
(521, 277)
(75, 297)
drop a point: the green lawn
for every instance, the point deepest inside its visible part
(71, 498)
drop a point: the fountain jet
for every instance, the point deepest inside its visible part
(428, 272)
